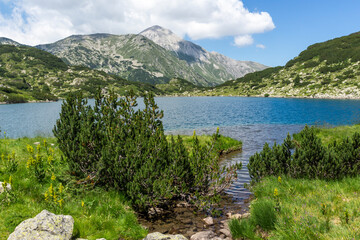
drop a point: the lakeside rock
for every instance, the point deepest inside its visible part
(45, 225)
(205, 235)
(209, 221)
(160, 236)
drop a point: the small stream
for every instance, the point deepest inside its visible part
(184, 220)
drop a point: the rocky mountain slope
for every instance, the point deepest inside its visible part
(324, 70)
(149, 57)
(8, 41)
(30, 74)
(211, 64)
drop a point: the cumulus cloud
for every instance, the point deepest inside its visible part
(260, 46)
(242, 41)
(40, 21)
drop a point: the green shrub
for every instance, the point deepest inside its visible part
(310, 159)
(117, 145)
(263, 214)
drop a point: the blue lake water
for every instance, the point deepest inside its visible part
(31, 119)
(252, 120)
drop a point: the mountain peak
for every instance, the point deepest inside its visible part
(162, 36)
(157, 29)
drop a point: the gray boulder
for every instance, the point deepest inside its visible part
(205, 235)
(45, 225)
(160, 236)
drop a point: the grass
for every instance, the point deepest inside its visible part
(102, 214)
(313, 209)
(224, 145)
(306, 209)
(328, 135)
(97, 213)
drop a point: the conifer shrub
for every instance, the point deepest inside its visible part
(116, 144)
(307, 157)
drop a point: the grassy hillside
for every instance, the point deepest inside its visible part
(328, 69)
(178, 86)
(30, 74)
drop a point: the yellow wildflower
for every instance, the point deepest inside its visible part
(55, 197)
(61, 187)
(53, 177)
(82, 203)
(276, 193)
(279, 179)
(61, 201)
(30, 149)
(50, 159)
(51, 190)
(46, 196)
(51, 150)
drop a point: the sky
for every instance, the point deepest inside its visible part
(264, 31)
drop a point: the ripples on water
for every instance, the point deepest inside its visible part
(253, 137)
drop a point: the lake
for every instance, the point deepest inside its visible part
(252, 120)
(31, 119)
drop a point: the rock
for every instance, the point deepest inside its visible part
(45, 225)
(239, 216)
(226, 232)
(205, 235)
(209, 220)
(8, 187)
(160, 236)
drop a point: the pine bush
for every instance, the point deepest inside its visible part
(310, 158)
(115, 144)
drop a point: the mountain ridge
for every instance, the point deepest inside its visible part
(135, 58)
(329, 69)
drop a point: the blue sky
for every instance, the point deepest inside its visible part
(269, 32)
(298, 24)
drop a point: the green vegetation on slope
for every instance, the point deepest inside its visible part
(30, 74)
(329, 69)
(178, 86)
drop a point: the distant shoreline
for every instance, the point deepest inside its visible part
(350, 97)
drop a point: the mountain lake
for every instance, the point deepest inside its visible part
(252, 120)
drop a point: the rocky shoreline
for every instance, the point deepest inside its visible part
(47, 225)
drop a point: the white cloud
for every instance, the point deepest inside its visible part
(262, 46)
(40, 21)
(242, 41)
